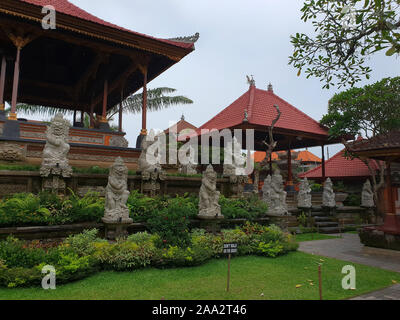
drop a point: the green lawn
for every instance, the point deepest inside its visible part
(313, 236)
(251, 276)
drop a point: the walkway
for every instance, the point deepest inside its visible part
(349, 248)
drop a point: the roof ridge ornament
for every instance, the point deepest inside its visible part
(189, 39)
(270, 87)
(251, 81)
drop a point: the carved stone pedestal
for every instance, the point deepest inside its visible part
(116, 229)
(54, 184)
(212, 225)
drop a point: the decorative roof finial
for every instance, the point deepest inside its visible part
(190, 39)
(270, 87)
(246, 116)
(251, 81)
(183, 117)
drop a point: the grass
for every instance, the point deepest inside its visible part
(250, 277)
(313, 236)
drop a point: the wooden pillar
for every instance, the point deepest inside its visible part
(82, 117)
(2, 82)
(74, 122)
(323, 164)
(91, 116)
(105, 102)
(13, 113)
(289, 163)
(144, 103)
(120, 112)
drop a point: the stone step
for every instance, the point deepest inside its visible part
(324, 224)
(322, 219)
(329, 230)
(318, 214)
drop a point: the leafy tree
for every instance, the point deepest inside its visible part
(347, 32)
(372, 110)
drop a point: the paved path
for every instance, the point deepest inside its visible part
(349, 248)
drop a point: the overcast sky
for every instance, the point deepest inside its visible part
(237, 38)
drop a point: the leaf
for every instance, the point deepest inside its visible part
(299, 73)
(394, 281)
(299, 286)
(391, 51)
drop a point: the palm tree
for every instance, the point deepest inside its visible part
(157, 99)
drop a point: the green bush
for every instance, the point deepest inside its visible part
(83, 254)
(316, 187)
(88, 208)
(242, 208)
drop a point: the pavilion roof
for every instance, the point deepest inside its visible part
(67, 67)
(68, 8)
(382, 147)
(340, 167)
(259, 105)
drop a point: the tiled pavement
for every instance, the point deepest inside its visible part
(349, 248)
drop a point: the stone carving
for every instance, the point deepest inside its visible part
(304, 195)
(12, 152)
(119, 141)
(277, 205)
(328, 196)
(151, 174)
(237, 160)
(189, 39)
(191, 167)
(144, 164)
(55, 161)
(367, 195)
(209, 207)
(266, 190)
(117, 194)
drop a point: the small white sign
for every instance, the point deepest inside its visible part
(230, 248)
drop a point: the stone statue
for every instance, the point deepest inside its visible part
(328, 196)
(55, 152)
(266, 189)
(191, 167)
(235, 168)
(304, 196)
(209, 207)
(117, 194)
(274, 194)
(367, 196)
(143, 163)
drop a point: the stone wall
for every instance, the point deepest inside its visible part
(30, 181)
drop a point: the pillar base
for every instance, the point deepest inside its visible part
(139, 141)
(11, 129)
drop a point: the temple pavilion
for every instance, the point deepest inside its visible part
(255, 109)
(85, 65)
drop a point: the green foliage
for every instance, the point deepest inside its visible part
(15, 167)
(91, 170)
(302, 219)
(316, 187)
(242, 208)
(81, 255)
(171, 223)
(371, 110)
(48, 209)
(337, 54)
(353, 199)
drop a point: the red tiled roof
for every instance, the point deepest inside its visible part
(260, 108)
(304, 156)
(340, 167)
(66, 7)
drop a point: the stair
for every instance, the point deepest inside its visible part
(325, 223)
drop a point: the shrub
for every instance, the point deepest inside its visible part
(82, 243)
(88, 208)
(15, 253)
(242, 208)
(316, 187)
(124, 255)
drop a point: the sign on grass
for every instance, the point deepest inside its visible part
(230, 248)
